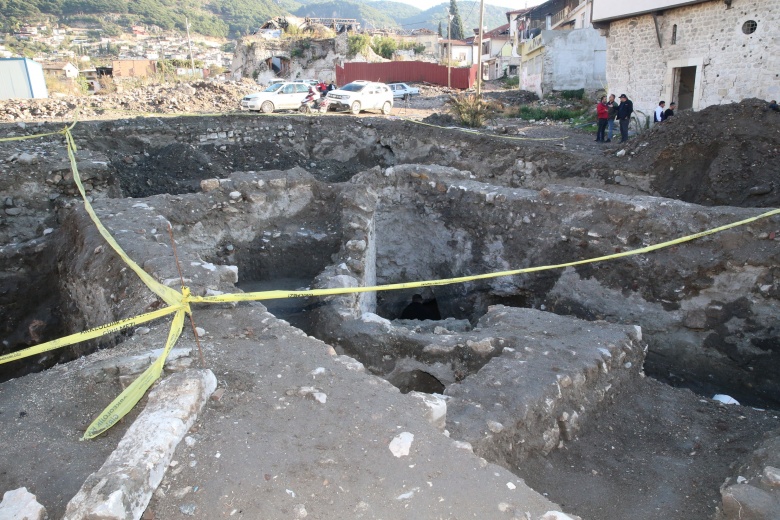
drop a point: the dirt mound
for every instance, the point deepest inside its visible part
(722, 155)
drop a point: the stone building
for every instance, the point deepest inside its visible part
(696, 53)
(267, 59)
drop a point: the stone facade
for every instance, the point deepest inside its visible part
(256, 57)
(707, 46)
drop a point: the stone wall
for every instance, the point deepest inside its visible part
(731, 65)
(308, 58)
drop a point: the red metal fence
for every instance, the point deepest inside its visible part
(408, 71)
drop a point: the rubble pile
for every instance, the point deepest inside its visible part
(202, 97)
(722, 155)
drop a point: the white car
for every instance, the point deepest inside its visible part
(361, 95)
(402, 90)
(278, 96)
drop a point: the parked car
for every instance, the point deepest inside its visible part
(278, 96)
(402, 90)
(362, 95)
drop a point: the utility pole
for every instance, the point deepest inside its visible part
(479, 60)
(189, 42)
(450, 16)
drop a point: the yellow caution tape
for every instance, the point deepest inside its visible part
(179, 303)
(93, 333)
(25, 137)
(476, 132)
(268, 295)
(170, 296)
(125, 401)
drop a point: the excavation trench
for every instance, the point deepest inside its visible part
(260, 206)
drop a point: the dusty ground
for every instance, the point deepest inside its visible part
(657, 453)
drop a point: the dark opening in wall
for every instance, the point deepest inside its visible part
(418, 381)
(749, 27)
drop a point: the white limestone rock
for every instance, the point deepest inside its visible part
(401, 444)
(122, 487)
(20, 504)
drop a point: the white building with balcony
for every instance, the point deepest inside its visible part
(558, 47)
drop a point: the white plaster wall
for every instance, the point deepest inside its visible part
(574, 60)
(531, 75)
(731, 65)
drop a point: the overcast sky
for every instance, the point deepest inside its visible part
(511, 5)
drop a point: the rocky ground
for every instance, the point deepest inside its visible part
(654, 447)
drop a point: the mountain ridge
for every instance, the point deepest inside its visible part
(234, 18)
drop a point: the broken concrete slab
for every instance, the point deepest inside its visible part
(123, 486)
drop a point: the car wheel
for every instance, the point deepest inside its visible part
(355, 108)
(267, 107)
(386, 108)
(406, 97)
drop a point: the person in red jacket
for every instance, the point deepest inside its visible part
(602, 111)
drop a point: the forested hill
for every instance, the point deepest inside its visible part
(232, 18)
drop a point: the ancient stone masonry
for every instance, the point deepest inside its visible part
(305, 58)
(731, 62)
(516, 369)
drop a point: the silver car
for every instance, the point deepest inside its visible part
(402, 90)
(278, 96)
(361, 95)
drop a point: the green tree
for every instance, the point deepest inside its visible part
(441, 34)
(457, 24)
(384, 46)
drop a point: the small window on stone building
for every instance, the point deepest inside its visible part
(749, 27)
(674, 34)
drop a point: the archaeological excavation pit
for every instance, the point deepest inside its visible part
(527, 364)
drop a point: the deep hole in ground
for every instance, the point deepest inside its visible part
(428, 230)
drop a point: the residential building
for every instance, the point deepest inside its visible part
(558, 47)
(133, 68)
(460, 53)
(498, 46)
(694, 52)
(61, 69)
(22, 79)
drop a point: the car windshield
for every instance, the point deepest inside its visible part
(274, 87)
(353, 87)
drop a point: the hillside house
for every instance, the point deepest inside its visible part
(133, 68)
(61, 69)
(559, 48)
(694, 52)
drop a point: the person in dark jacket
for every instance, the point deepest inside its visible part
(602, 113)
(670, 111)
(625, 109)
(612, 106)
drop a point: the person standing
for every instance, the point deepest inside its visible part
(603, 115)
(612, 106)
(670, 111)
(658, 116)
(625, 109)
